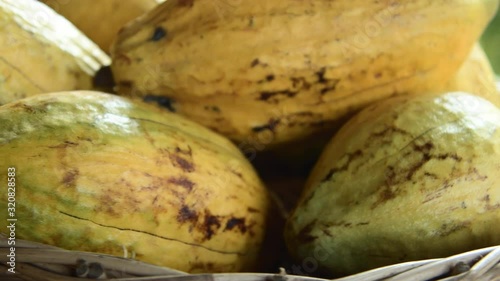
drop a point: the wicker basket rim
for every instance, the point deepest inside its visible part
(39, 259)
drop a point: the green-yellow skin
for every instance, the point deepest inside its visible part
(42, 52)
(289, 69)
(406, 179)
(97, 172)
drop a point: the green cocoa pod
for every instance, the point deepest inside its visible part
(406, 179)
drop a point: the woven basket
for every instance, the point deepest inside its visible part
(36, 261)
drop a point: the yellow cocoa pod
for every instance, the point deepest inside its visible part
(97, 172)
(40, 52)
(284, 70)
(475, 76)
(406, 179)
(101, 20)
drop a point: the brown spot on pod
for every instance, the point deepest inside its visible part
(212, 108)
(250, 22)
(386, 194)
(269, 77)
(70, 177)
(182, 163)
(266, 96)
(450, 228)
(387, 131)
(488, 205)
(425, 149)
(41, 108)
(300, 83)
(321, 75)
(107, 202)
(254, 63)
(210, 225)
(187, 151)
(431, 175)
(238, 223)
(330, 87)
(350, 157)
(187, 215)
(182, 181)
(252, 210)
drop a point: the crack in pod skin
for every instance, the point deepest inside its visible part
(408, 178)
(100, 173)
(291, 57)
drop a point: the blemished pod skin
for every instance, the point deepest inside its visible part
(409, 178)
(100, 173)
(289, 69)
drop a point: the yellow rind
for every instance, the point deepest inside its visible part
(101, 20)
(291, 69)
(475, 76)
(97, 172)
(41, 52)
